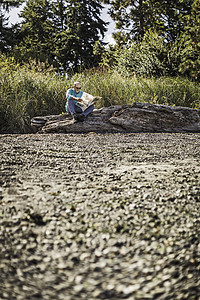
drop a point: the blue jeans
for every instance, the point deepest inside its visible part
(73, 108)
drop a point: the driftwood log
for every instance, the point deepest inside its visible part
(138, 117)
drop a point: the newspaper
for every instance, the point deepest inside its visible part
(87, 100)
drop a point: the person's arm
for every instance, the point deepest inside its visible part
(70, 96)
(78, 99)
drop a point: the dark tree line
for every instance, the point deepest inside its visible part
(65, 33)
(135, 17)
(61, 33)
(7, 34)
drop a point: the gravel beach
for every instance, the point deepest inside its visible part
(100, 216)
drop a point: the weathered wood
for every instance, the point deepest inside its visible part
(139, 117)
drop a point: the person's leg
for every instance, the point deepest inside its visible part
(73, 108)
(88, 110)
(78, 109)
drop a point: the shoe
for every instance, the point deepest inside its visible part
(78, 117)
(81, 118)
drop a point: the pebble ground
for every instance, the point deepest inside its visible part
(100, 216)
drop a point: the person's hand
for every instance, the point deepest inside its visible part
(79, 100)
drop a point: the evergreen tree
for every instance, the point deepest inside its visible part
(36, 34)
(171, 14)
(79, 26)
(61, 32)
(190, 43)
(6, 32)
(134, 18)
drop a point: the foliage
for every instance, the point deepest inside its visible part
(134, 18)
(61, 32)
(7, 4)
(108, 56)
(145, 58)
(33, 89)
(7, 34)
(28, 91)
(35, 33)
(190, 39)
(115, 89)
(154, 38)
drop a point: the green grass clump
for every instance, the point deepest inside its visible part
(115, 89)
(32, 90)
(25, 92)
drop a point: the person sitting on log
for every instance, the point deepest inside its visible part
(79, 104)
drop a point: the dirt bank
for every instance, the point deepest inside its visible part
(100, 216)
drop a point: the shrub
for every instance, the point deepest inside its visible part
(146, 58)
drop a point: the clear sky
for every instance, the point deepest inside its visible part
(14, 18)
(111, 27)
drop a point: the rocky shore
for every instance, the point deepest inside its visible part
(100, 216)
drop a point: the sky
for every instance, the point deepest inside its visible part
(14, 18)
(111, 27)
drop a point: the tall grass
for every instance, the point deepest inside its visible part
(25, 93)
(116, 89)
(28, 91)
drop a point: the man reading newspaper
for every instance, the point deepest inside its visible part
(79, 104)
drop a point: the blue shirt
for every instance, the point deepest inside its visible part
(71, 92)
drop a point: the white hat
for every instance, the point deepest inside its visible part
(76, 82)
